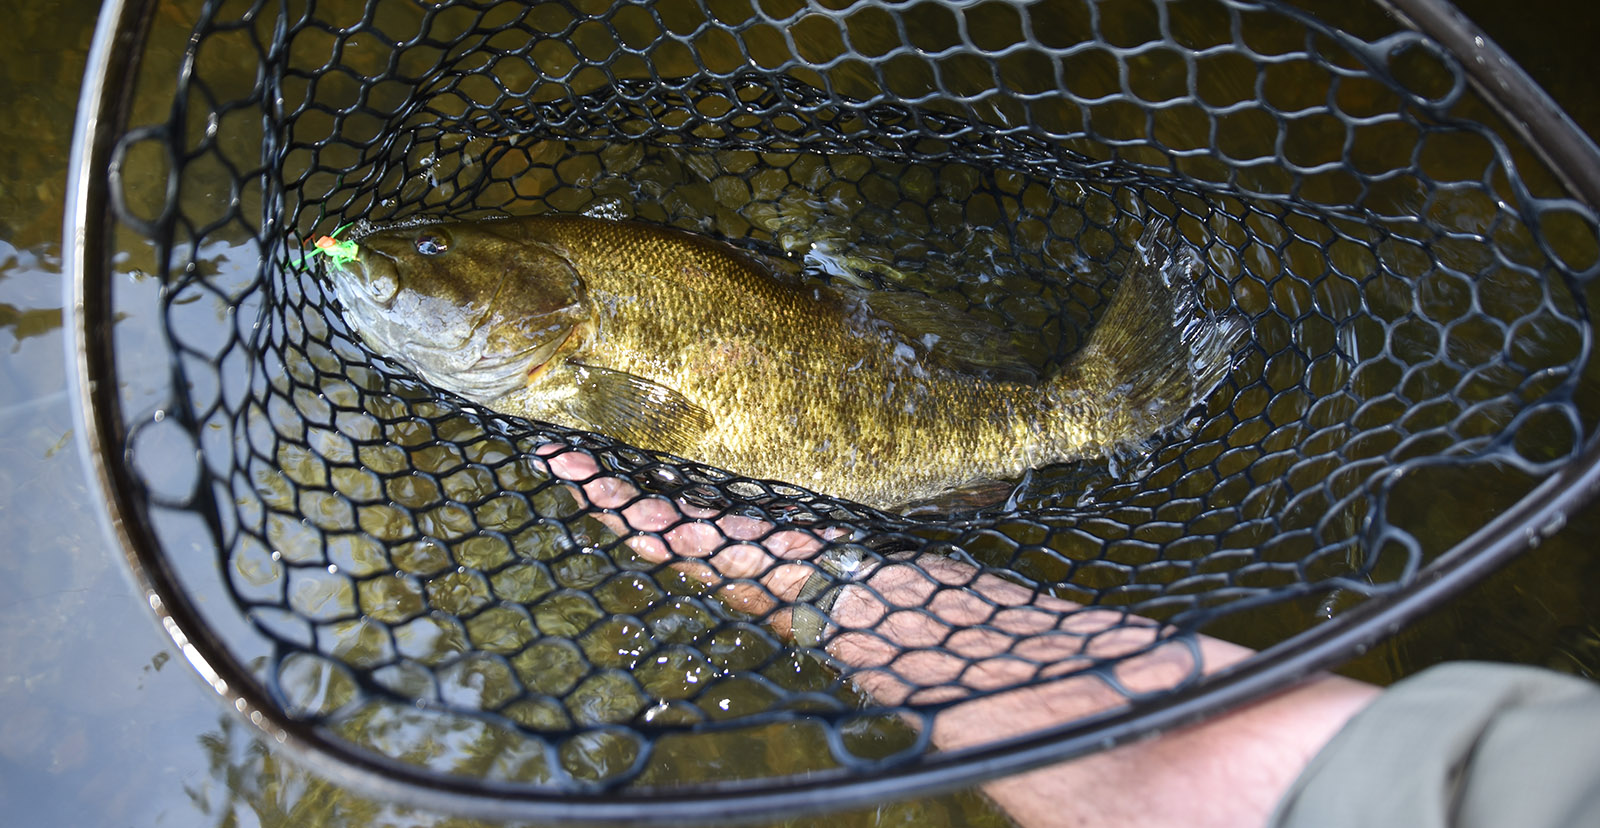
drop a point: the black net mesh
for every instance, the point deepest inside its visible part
(401, 570)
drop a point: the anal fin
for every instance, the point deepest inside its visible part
(972, 497)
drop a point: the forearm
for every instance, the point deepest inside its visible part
(981, 633)
(937, 629)
(1229, 770)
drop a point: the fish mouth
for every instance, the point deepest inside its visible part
(538, 359)
(369, 266)
(545, 355)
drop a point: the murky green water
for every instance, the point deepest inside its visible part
(100, 724)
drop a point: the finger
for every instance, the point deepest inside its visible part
(566, 462)
(695, 539)
(582, 470)
(687, 531)
(761, 599)
(748, 598)
(742, 560)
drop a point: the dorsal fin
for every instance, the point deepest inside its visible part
(949, 336)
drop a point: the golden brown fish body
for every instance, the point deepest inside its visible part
(678, 343)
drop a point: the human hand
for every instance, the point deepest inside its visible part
(924, 630)
(1013, 658)
(753, 564)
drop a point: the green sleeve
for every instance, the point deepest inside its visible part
(1462, 744)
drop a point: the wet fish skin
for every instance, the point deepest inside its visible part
(679, 343)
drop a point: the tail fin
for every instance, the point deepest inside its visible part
(1157, 351)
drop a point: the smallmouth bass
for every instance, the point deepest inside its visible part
(682, 344)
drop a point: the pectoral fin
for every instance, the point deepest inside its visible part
(636, 410)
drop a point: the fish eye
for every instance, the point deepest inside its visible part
(432, 242)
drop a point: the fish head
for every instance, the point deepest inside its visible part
(469, 307)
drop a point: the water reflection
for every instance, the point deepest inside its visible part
(244, 783)
(28, 322)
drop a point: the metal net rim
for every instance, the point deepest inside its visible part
(102, 116)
